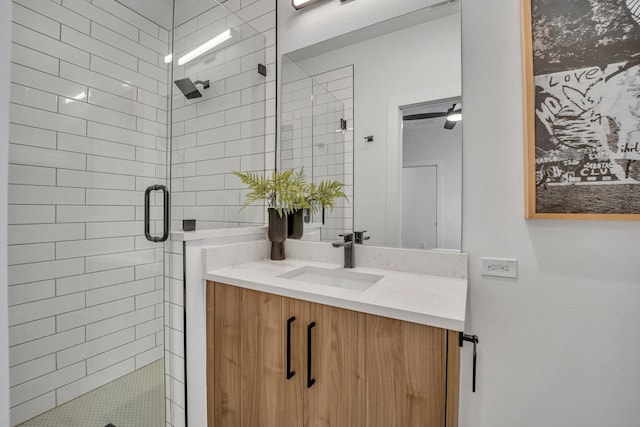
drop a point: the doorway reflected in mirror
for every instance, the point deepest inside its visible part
(431, 178)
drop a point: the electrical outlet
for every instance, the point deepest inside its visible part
(499, 267)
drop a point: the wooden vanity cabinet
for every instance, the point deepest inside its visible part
(366, 370)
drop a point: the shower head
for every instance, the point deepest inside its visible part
(189, 89)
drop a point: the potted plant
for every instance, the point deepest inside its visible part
(283, 193)
(317, 198)
(295, 223)
(324, 195)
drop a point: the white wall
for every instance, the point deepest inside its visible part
(559, 345)
(406, 61)
(5, 57)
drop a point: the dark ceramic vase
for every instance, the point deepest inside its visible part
(295, 223)
(277, 234)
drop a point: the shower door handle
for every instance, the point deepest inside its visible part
(165, 220)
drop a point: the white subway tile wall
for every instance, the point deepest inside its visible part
(225, 129)
(311, 136)
(88, 134)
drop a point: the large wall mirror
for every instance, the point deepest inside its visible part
(378, 110)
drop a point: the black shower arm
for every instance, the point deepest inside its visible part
(204, 83)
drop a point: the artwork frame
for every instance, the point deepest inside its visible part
(582, 123)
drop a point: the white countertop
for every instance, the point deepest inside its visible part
(421, 298)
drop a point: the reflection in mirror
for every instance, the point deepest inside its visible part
(431, 177)
(405, 175)
(314, 136)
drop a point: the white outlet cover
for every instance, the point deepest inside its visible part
(499, 267)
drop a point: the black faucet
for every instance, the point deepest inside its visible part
(359, 237)
(349, 254)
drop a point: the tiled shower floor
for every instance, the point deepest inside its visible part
(135, 400)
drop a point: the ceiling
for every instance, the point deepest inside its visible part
(161, 11)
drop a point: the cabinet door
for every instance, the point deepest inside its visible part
(245, 362)
(336, 398)
(406, 373)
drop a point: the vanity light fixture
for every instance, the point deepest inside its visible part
(206, 47)
(299, 4)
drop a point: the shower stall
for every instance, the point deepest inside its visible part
(126, 118)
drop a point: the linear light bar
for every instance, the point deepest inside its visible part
(299, 4)
(205, 47)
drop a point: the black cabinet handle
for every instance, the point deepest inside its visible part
(475, 356)
(290, 373)
(462, 337)
(310, 381)
(147, 221)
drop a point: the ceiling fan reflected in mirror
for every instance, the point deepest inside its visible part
(453, 115)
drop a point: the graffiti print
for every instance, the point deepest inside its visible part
(586, 108)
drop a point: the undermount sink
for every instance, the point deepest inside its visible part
(333, 277)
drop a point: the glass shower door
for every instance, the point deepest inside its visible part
(88, 136)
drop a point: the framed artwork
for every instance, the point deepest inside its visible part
(582, 108)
